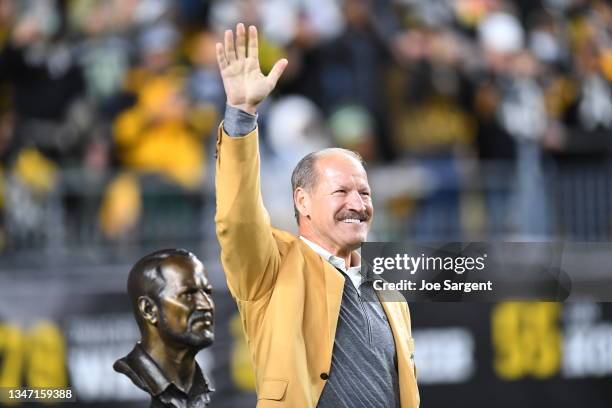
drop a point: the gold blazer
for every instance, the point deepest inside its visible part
(287, 295)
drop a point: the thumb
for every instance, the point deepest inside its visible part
(277, 71)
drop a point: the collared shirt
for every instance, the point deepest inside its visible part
(354, 272)
(146, 374)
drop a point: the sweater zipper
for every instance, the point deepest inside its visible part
(367, 318)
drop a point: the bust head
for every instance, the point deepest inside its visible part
(171, 299)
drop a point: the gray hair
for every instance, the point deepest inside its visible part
(306, 176)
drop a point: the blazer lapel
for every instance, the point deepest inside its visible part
(404, 347)
(334, 287)
(333, 283)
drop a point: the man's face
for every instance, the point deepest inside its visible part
(340, 203)
(186, 307)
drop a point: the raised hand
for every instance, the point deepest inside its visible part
(245, 85)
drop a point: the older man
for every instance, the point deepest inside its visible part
(318, 334)
(171, 299)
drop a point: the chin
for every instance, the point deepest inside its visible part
(360, 237)
(206, 337)
(206, 342)
(355, 242)
(197, 340)
(202, 343)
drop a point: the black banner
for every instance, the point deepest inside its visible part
(505, 354)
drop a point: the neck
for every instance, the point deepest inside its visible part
(350, 257)
(176, 362)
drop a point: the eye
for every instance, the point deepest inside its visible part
(189, 294)
(365, 193)
(340, 191)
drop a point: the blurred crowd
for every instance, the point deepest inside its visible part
(124, 93)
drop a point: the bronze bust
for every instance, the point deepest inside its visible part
(171, 300)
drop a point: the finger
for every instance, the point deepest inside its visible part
(240, 41)
(277, 71)
(221, 60)
(230, 52)
(253, 46)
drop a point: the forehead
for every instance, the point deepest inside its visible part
(340, 168)
(180, 272)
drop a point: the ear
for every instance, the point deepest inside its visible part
(302, 201)
(148, 309)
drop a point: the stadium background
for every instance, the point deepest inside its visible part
(479, 119)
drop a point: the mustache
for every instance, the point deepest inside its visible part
(201, 316)
(361, 216)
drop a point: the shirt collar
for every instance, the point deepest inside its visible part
(354, 272)
(144, 372)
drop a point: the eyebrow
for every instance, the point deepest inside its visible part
(346, 187)
(185, 289)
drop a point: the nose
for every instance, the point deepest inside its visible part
(356, 202)
(204, 301)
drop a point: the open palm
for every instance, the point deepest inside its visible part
(245, 85)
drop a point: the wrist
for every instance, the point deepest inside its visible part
(238, 122)
(250, 109)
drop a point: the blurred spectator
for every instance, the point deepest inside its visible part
(352, 65)
(161, 119)
(295, 127)
(163, 132)
(105, 50)
(46, 83)
(353, 128)
(476, 96)
(204, 86)
(50, 115)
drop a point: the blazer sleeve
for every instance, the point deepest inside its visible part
(249, 253)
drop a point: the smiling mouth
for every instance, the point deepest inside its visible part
(352, 221)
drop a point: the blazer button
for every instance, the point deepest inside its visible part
(324, 376)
